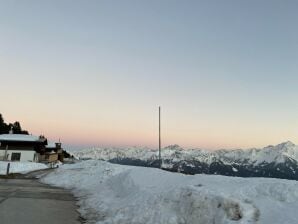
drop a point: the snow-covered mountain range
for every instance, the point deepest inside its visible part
(280, 161)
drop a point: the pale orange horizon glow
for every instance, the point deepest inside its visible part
(71, 133)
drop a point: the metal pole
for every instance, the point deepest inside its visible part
(159, 151)
(7, 169)
(5, 154)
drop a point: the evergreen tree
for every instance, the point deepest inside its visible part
(3, 126)
(16, 127)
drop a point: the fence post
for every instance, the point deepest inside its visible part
(7, 170)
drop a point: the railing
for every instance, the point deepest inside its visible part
(2, 158)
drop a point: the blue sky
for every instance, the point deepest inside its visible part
(224, 72)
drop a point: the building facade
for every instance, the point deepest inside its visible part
(28, 148)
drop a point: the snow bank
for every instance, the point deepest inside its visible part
(115, 194)
(21, 167)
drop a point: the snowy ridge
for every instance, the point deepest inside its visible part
(269, 154)
(280, 161)
(117, 194)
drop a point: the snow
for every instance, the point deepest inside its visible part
(270, 154)
(21, 167)
(234, 169)
(110, 193)
(51, 145)
(19, 137)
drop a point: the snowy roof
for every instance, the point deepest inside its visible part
(21, 138)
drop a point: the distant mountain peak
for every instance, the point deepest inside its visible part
(286, 144)
(174, 147)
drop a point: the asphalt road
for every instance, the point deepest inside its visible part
(26, 201)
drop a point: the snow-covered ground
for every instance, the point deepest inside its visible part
(21, 167)
(115, 194)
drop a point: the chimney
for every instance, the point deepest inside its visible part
(58, 145)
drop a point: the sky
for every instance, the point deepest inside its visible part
(93, 73)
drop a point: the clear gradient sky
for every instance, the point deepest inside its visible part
(95, 72)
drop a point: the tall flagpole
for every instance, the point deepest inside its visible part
(159, 148)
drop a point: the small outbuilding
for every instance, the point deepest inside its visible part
(54, 152)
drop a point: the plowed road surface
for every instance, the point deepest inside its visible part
(26, 201)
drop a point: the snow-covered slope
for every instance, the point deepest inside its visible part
(118, 194)
(279, 161)
(277, 154)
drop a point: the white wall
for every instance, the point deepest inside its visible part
(25, 155)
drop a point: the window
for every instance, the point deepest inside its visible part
(15, 156)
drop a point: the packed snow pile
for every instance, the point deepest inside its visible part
(120, 194)
(20, 167)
